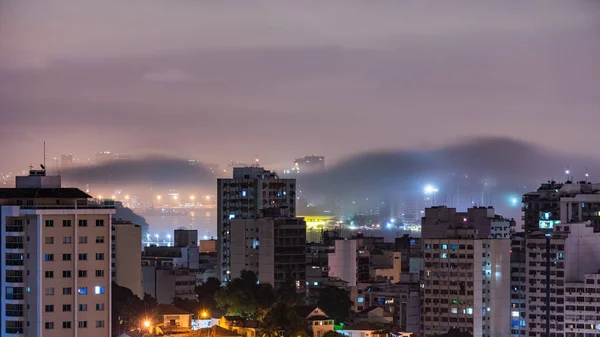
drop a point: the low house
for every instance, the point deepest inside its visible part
(244, 327)
(214, 331)
(365, 329)
(174, 319)
(318, 320)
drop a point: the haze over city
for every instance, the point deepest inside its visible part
(199, 79)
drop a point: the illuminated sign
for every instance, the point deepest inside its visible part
(548, 224)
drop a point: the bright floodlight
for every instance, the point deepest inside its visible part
(156, 236)
(430, 189)
(567, 171)
(147, 324)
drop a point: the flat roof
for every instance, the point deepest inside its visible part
(35, 193)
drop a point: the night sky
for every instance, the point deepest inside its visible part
(221, 80)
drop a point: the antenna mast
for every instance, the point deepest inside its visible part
(44, 154)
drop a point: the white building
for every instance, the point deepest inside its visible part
(273, 248)
(343, 261)
(127, 256)
(56, 260)
(466, 285)
(251, 190)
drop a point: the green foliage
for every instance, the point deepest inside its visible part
(333, 334)
(335, 302)
(129, 311)
(283, 320)
(244, 297)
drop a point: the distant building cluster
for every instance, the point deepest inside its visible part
(470, 273)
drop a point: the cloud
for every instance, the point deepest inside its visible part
(169, 75)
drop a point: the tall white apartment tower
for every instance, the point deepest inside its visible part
(56, 258)
(251, 190)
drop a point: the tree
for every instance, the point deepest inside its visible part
(287, 293)
(287, 321)
(245, 297)
(206, 294)
(129, 311)
(192, 306)
(333, 334)
(335, 302)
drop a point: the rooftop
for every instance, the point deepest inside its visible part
(38, 193)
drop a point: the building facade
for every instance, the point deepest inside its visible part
(273, 248)
(127, 256)
(466, 285)
(56, 260)
(245, 196)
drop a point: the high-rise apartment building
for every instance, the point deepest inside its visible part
(127, 256)
(557, 261)
(438, 219)
(56, 260)
(272, 247)
(245, 196)
(466, 273)
(466, 285)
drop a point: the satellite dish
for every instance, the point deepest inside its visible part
(42, 166)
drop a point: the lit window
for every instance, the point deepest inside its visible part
(444, 246)
(443, 256)
(514, 313)
(361, 300)
(316, 283)
(82, 291)
(470, 311)
(231, 216)
(244, 193)
(99, 290)
(454, 310)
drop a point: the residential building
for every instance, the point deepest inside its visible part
(243, 327)
(127, 256)
(408, 247)
(466, 284)
(164, 283)
(438, 219)
(554, 259)
(208, 246)
(174, 320)
(272, 247)
(401, 300)
(317, 319)
(518, 285)
(56, 260)
(176, 256)
(185, 238)
(244, 196)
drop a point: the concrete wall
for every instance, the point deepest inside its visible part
(342, 262)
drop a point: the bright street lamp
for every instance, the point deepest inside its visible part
(146, 324)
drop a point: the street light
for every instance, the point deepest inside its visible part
(192, 197)
(158, 197)
(204, 314)
(147, 324)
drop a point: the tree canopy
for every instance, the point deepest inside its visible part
(245, 297)
(128, 310)
(335, 302)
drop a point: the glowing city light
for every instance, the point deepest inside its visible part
(430, 189)
(126, 197)
(175, 197)
(168, 237)
(207, 197)
(158, 197)
(147, 324)
(192, 197)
